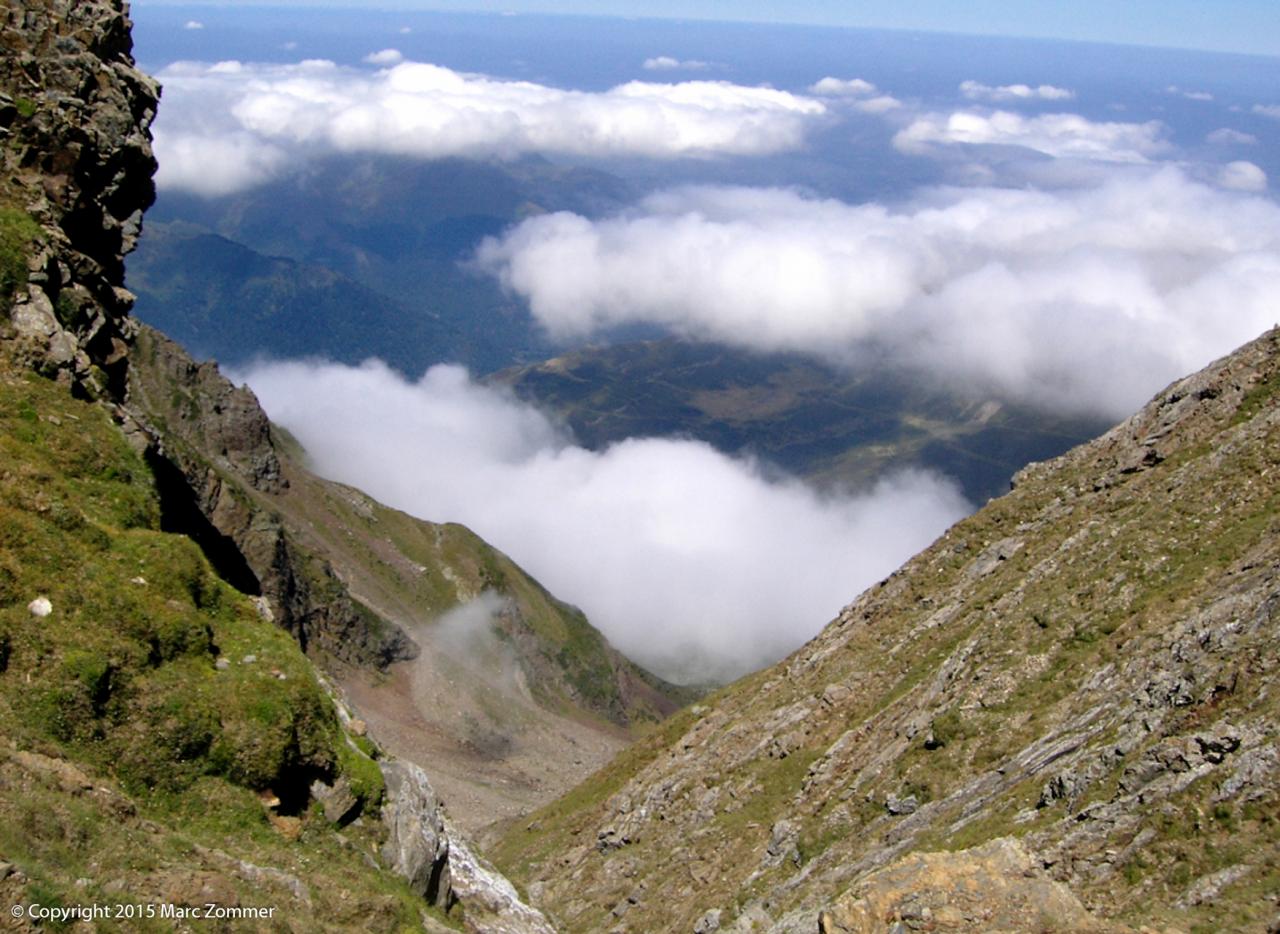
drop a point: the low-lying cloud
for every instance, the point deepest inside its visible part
(428, 111)
(1085, 300)
(1061, 135)
(691, 562)
(976, 91)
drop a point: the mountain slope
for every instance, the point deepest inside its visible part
(831, 425)
(224, 300)
(1088, 665)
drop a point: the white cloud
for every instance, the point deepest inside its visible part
(855, 93)
(975, 91)
(841, 87)
(429, 111)
(385, 57)
(1082, 300)
(213, 165)
(1242, 176)
(689, 561)
(1228, 137)
(1061, 135)
(1267, 110)
(193, 24)
(667, 63)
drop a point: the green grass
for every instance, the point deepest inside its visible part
(18, 233)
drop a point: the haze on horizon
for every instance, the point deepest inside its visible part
(1236, 26)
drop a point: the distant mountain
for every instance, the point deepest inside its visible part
(1064, 715)
(385, 239)
(226, 301)
(834, 426)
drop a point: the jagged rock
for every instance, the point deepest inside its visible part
(906, 805)
(709, 923)
(439, 864)
(491, 902)
(1108, 648)
(1206, 888)
(210, 444)
(82, 162)
(782, 843)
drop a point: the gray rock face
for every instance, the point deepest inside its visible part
(417, 848)
(74, 122)
(440, 865)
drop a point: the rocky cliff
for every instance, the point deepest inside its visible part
(1086, 666)
(74, 118)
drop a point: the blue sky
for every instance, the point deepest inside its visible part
(1248, 26)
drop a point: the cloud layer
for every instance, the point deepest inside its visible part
(1085, 301)
(691, 562)
(423, 110)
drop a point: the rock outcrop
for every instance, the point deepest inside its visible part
(76, 155)
(440, 865)
(1087, 664)
(993, 887)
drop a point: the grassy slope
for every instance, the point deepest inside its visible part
(145, 760)
(1057, 667)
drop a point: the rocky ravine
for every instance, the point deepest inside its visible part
(1088, 666)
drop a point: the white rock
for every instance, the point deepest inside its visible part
(40, 606)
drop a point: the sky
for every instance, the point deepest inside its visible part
(1243, 26)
